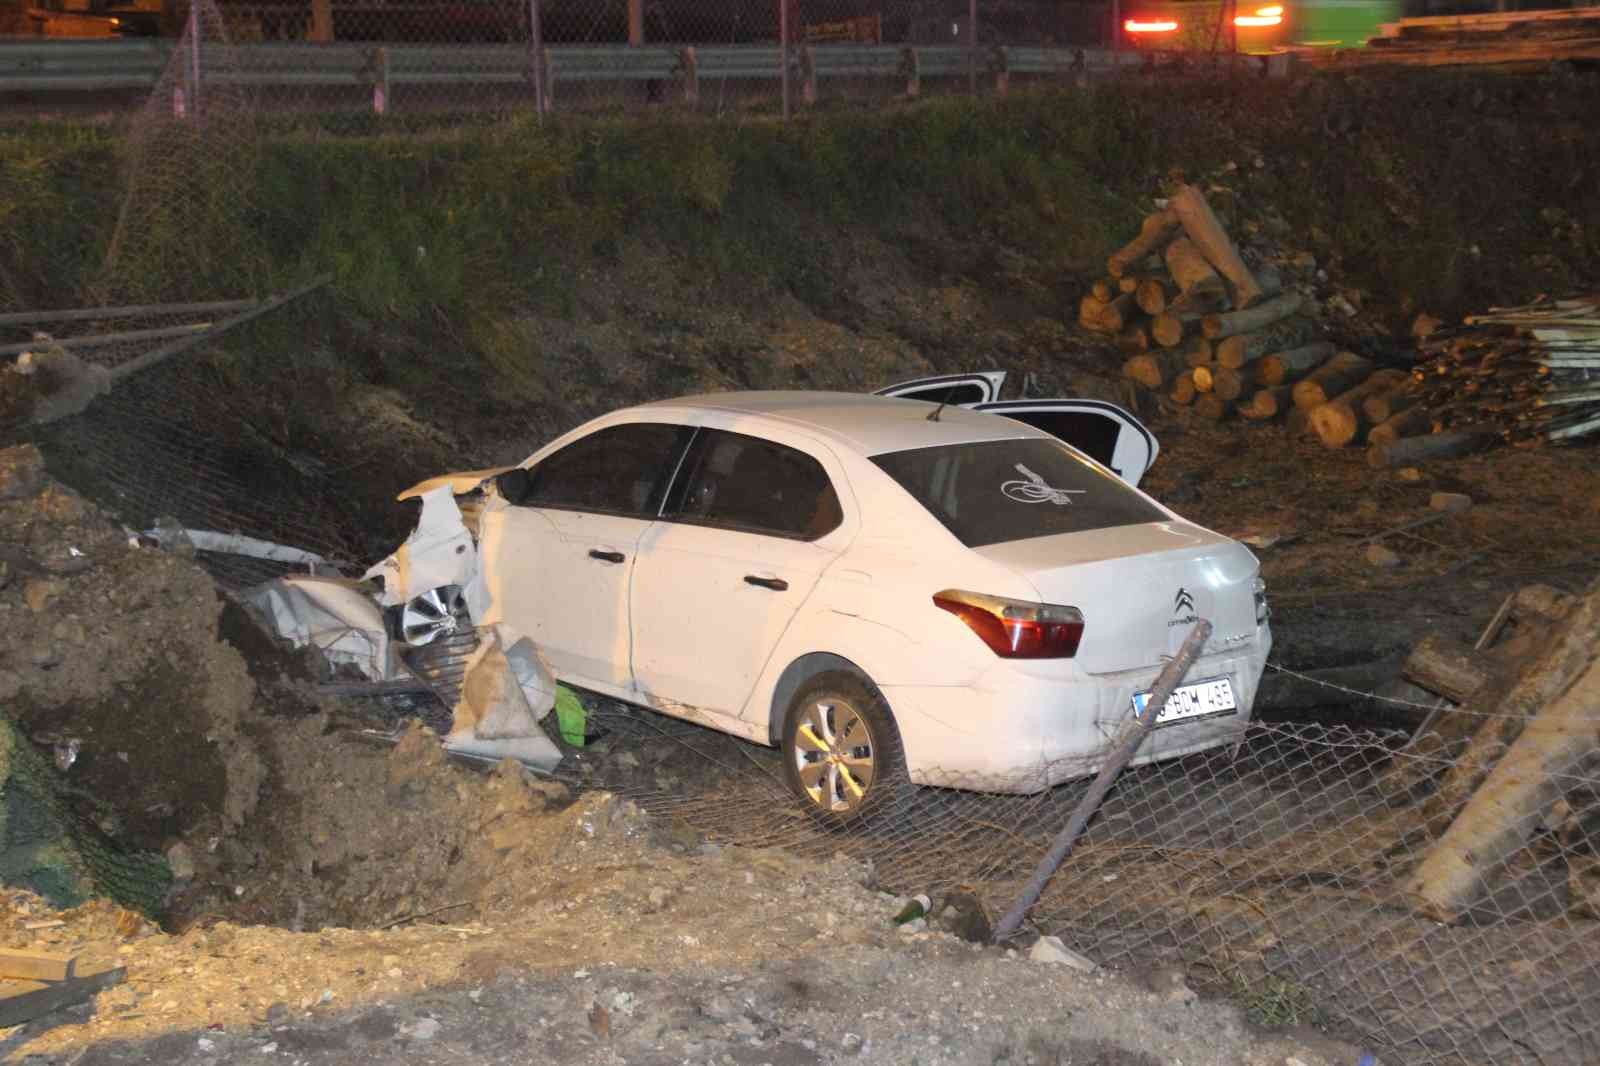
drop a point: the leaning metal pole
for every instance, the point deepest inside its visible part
(1121, 751)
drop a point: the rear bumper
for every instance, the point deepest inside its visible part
(1008, 732)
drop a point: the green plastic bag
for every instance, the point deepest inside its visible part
(571, 716)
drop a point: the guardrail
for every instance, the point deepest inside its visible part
(98, 66)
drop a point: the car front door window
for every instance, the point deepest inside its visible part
(561, 560)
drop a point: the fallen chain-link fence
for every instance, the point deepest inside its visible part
(1278, 871)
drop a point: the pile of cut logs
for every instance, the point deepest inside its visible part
(1207, 331)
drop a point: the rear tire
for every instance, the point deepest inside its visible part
(842, 754)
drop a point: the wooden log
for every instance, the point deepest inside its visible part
(1183, 390)
(1203, 228)
(1234, 352)
(1409, 451)
(1341, 421)
(1267, 404)
(1154, 369)
(1281, 368)
(1129, 282)
(1198, 353)
(1191, 271)
(1210, 405)
(1257, 317)
(1204, 379)
(1153, 295)
(1229, 384)
(1119, 314)
(1134, 339)
(1170, 327)
(1270, 278)
(1444, 668)
(1383, 406)
(1344, 371)
(1089, 310)
(1105, 290)
(1154, 233)
(1407, 423)
(1504, 811)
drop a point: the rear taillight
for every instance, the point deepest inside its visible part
(1014, 629)
(1263, 612)
(1151, 25)
(1263, 16)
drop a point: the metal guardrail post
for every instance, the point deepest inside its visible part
(380, 85)
(194, 58)
(537, 58)
(972, 47)
(783, 53)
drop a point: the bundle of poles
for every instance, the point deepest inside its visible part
(1530, 374)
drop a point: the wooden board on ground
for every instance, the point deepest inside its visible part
(22, 1001)
(36, 965)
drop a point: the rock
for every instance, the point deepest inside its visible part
(1050, 949)
(1583, 886)
(421, 1029)
(554, 792)
(965, 915)
(38, 592)
(659, 896)
(181, 859)
(852, 1044)
(1450, 501)
(415, 758)
(21, 472)
(1169, 982)
(1408, 473)
(1382, 557)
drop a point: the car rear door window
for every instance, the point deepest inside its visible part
(997, 491)
(620, 470)
(753, 485)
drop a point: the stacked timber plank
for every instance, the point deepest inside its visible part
(1494, 37)
(1528, 375)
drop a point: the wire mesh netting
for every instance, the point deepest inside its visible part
(1277, 869)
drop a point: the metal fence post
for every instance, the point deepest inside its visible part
(1121, 749)
(972, 46)
(536, 58)
(783, 53)
(194, 58)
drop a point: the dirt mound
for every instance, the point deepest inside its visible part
(112, 664)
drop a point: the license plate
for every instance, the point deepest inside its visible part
(1199, 700)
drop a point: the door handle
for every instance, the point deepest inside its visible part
(776, 584)
(606, 557)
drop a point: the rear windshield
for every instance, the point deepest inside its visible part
(1004, 490)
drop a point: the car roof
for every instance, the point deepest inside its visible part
(870, 425)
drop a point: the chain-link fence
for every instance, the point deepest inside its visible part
(1282, 870)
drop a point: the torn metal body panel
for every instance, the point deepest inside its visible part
(422, 613)
(337, 617)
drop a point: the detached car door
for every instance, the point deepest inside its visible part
(559, 559)
(748, 528)
(1103, 431)
(957, 390)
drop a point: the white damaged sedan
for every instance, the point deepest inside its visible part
(888, 590)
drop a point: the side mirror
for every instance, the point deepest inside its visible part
(514, 485)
